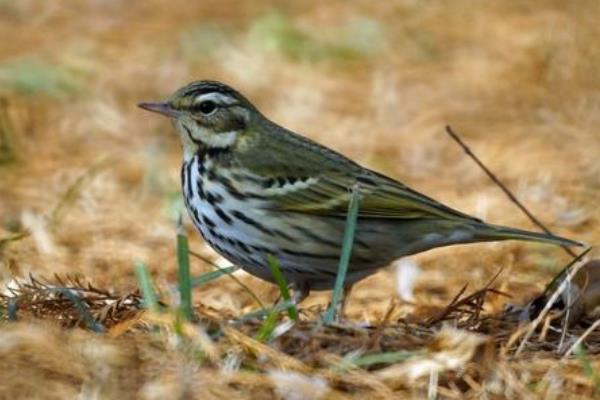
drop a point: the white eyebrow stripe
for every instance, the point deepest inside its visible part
(218, 98)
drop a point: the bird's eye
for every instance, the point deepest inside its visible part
(206, 107)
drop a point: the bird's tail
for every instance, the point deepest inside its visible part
(489, 232)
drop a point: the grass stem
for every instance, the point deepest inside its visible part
(147, 288)
(283, 287)
(338, 289)
(183, 272)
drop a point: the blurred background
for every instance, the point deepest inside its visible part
(94, 181)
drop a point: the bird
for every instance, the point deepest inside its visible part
(254, 190)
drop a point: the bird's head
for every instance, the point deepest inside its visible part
(206, 114)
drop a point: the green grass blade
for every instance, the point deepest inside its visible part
(349, 230)
(267, 327)
(356, 359)
(277, 308)
(281, 282)
(391, 357)
(183, 273)
(12, 238)
(146, 286)
(211, 276)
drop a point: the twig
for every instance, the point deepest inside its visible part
(473, 301)
(574, 268)
(378, 333)
(572, 350)
(234, 278)
(506, 191)
(581, 339)
(565, 321)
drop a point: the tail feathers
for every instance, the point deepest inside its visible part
(490, 232)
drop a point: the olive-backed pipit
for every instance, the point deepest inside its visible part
(254, 188)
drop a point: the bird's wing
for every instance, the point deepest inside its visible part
(317, 180)
(380, 197)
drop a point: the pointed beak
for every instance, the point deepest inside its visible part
(161, 108)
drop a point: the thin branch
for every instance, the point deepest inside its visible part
(471, 304)
(580, 339)
(506, 191)
(239, 282)
(574, 267)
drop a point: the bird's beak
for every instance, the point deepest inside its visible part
(161, 108)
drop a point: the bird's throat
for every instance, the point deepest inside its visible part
(204, 141)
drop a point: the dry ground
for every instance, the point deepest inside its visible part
(93, 180)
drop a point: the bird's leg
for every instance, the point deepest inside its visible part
(301, 292)
(341, 307)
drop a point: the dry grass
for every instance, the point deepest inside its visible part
(93, 183)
